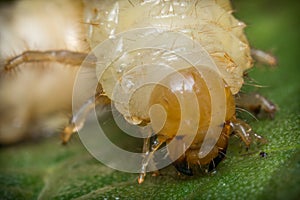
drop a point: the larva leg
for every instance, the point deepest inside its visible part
(213, 164)
(147, 158)
(78, 120)
(146, 150)
(264, 57)
(256, 104)
(183, 167)
(244, 131)
(62, 56)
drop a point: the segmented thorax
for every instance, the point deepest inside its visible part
(208, 22)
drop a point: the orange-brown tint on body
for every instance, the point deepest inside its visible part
(166, 97)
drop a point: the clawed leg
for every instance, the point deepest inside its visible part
(146, 151)
(78, 119)
(244, 131)
(256, 104)
(148, 155)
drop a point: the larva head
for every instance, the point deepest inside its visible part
(168, 98)
(165, 119)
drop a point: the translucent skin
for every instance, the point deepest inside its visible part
(209, 22)
(167, 99)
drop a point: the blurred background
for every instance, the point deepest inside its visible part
(35, 98)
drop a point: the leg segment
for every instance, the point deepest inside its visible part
(244, 131)
(264, 57)
(217, 160)
(256, 104)
(62, 56)
(78, 120)
(148, 155)
(183, 167)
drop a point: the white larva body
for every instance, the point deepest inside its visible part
(208, 22)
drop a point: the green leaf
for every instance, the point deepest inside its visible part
(47, 170)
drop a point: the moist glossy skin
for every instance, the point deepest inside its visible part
(166, 98)
(208, 22)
